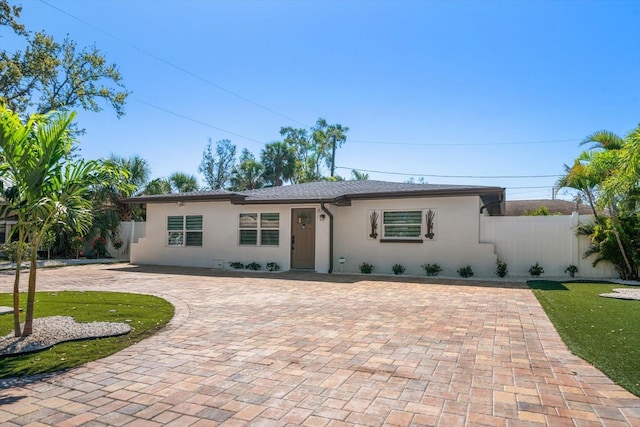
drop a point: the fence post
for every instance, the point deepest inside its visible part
(575, 241)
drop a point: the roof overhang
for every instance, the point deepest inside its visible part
(493, 198)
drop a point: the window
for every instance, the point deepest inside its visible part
(402, 225)
(259, 230)
(184, 230)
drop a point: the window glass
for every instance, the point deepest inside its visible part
(248, 237)
(175, 223)
(248, 220)
(270, 237)
(402, 224)
(194, 222)
(269, 220)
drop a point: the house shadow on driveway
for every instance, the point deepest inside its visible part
(312, 276)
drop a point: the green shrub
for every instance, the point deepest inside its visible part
(501, 268)
(272, 266)
(536, 270)
(465, 271)
(99, 246)
(572, 270)
(237, 265)
(12, 248)
(398, 269)
(253, 266)
(431, 269)
(366, 268)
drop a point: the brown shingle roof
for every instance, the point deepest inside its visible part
(338, 192)
(556, 207)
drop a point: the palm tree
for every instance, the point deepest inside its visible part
(157, 186)
(109, 209)
(183, 183)
(359, 176)
(337, 135)
(608, 175)
(45, 186)
(248, 174)
(279, 162)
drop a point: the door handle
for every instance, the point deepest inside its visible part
(293, 242)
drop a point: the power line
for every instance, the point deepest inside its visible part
(265, 108)
(450, 176)
(551, 141)
(177, 67)
(200, 122)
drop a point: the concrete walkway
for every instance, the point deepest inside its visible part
(320, 350)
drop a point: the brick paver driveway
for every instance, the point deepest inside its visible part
(294, 349)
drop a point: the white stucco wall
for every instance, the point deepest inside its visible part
(521, 241)
(220, 237)
(456, 243)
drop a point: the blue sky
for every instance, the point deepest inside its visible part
(454, 91)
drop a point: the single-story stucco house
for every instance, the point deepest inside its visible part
(323, 227)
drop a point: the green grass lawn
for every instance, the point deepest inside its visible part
(148, 314)
(602, 331)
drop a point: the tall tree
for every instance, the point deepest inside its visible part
(46, 187)
(314, 149)
(279, 162)
(9, 16)
(48, 75)
(183, 183)
(359, 176)
(217, 167)
(248, 174)
(609, 179)
(157, 186)
(130, 175)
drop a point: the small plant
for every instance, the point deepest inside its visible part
(12, 248)
(398, 269)
(272, 266)
(117, 243)
(465, 271)
(536, 270)
(366, 268)
(253, 266)
(572, 270)
(48, 241)
(99, 246)
(501, 268)
(431, 269)
(77, 244)
(237, 265)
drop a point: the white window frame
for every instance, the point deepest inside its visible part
(260, 227)
(177, 238)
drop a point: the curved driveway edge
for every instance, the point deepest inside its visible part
(311, 349)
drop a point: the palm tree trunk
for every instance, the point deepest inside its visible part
(16, 285)
(31, 291)
(592, 204)
(630, 271)
(16, 298)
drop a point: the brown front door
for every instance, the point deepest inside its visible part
(303, 238)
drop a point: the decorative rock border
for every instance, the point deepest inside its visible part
(49, 331)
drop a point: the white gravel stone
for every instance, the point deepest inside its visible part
(48, 331)
(623, 293)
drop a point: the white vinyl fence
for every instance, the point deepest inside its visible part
(130, 232)
(521, 241)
